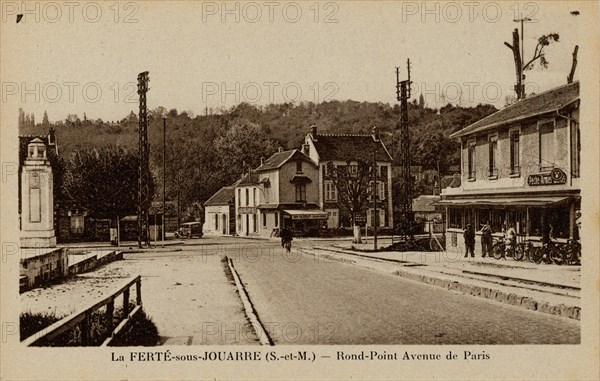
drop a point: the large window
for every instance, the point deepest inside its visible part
(330, 191)
(455, 218)
(299, 166)
(77, 224)
(547, 147)
(216, 222)
(239, 197)
(254, 196)
(493, 156)
(247, 197)
(471, 160)
(300, 192)
(515, 168)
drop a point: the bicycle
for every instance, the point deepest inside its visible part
(499, 249)
(549, 253)
(573, 252)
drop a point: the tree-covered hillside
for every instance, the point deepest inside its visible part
(207, 152)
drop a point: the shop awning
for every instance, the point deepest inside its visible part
(508, 201)
(307, 214)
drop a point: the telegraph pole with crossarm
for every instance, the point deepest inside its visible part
(405, 202)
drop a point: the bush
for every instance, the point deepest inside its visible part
(141, 331)
(31, 323)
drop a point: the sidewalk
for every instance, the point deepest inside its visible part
(547, 288)
(125, 245)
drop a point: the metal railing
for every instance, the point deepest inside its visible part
(83, 318)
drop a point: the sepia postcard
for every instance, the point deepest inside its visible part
(310, 190)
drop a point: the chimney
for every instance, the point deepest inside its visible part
(375, 133)
(280, 149)
(313, 131)
(262, 160)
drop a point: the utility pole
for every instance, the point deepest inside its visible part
(402, 95)
(164, 179)
(374, 193)
(143, 168)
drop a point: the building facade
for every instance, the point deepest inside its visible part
(219, 213)
(342, 150)
(520, 168)
(281, 192)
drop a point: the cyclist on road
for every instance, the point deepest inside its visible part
(286, 239)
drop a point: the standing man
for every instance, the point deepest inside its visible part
(470, 241)
(486, 240)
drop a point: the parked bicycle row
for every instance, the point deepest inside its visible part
(550, 252)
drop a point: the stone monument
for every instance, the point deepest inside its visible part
(37, 214)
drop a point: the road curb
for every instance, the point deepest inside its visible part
(571, 312)
(568, 311)
(260, 331)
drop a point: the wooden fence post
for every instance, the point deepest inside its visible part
(110, 307)
(85, 330)
(126, 302)
(138, 288)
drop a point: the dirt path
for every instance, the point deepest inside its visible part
(189, 297)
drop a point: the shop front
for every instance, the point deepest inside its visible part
(534, 217)
(304, 222)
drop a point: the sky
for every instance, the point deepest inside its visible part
(77, 57)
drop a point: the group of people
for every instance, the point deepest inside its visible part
(486, 239)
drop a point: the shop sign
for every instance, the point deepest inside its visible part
(317, 216)
(556, 177)
(360, 219)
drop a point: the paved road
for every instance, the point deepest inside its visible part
(302, 300)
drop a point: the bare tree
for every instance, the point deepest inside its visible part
(573, 65)
(538, 54)
(353, 184)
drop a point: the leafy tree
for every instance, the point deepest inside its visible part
(353, 183)
(104, 181)
(241, 146)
